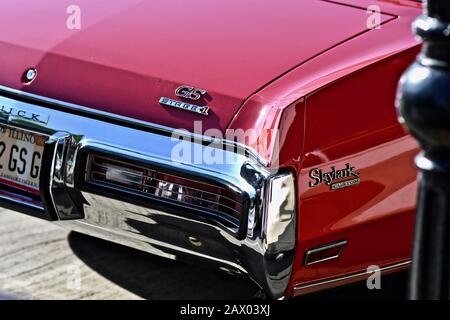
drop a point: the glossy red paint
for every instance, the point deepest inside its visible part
(310, 69)
(335, 109)
(128, 54)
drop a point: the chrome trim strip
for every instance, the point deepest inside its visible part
(4, 197)
(56, 170)
(263, 245)
(299, 288)
(326, 247)
(134, 122)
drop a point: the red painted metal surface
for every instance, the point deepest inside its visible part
(335, 109)
(310, 69)
(128, 54)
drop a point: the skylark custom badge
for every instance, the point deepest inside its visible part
(190, 93)
(336, 179)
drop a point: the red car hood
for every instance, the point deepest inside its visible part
(129, 53)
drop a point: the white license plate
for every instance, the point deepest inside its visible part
(20, 158)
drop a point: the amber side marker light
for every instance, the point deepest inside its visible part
(324, 253)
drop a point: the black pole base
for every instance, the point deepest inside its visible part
(430, 273)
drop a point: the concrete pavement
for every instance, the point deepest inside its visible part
(39, 260)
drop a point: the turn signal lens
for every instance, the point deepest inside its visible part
(117, 173)
(164, 185)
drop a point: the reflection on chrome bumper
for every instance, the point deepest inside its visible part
(258, 240)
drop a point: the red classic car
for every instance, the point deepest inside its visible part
(259, 137)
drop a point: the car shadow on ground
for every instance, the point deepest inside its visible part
(153, 277)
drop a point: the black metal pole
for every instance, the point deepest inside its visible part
(423, 104)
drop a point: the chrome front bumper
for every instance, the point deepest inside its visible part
(261, 245)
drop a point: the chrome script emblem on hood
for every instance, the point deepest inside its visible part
(12, 113)
(184, 106)
(188, 92)
(336, 179)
